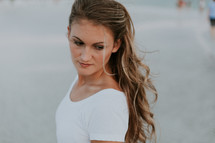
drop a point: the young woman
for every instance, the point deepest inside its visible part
(107, 101)
(211, 14)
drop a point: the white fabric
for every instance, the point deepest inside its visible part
(102, 116)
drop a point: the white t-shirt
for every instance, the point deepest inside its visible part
(102, 116)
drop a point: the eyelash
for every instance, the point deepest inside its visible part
(79, 43)
(99, 47)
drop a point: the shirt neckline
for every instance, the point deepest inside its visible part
(91, 96)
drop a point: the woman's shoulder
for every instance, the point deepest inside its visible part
(110, 94)
(110, 98)
(108, 101)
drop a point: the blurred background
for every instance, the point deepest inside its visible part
(36, 70)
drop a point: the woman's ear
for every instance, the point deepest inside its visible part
(68, 29)
(117, 44)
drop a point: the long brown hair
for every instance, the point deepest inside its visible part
(129, 71)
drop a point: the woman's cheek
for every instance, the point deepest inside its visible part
(107, 57)
(74, 52)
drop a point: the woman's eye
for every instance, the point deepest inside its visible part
(78, 43)
(99, 47)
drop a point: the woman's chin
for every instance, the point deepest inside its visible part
(84, 72)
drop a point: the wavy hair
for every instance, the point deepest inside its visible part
(131, 74)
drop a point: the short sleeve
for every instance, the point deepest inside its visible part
(108, 121)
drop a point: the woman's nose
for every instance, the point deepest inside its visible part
(86, 54)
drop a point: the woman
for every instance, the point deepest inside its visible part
(181, 3)
(212, 17)
(202, 5)
(107, 101)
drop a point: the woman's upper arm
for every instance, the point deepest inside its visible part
(95, 141)
(108, 122)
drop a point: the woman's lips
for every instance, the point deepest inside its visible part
(84, 65)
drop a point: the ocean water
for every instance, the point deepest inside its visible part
(36, 69)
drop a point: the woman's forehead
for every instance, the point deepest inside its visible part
(85, 29)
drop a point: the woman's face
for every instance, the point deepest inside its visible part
(87, 43)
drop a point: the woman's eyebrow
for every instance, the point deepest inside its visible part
(77, 38)
(98, 43)
(93, 43)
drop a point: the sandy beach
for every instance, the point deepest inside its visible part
(36, 70)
